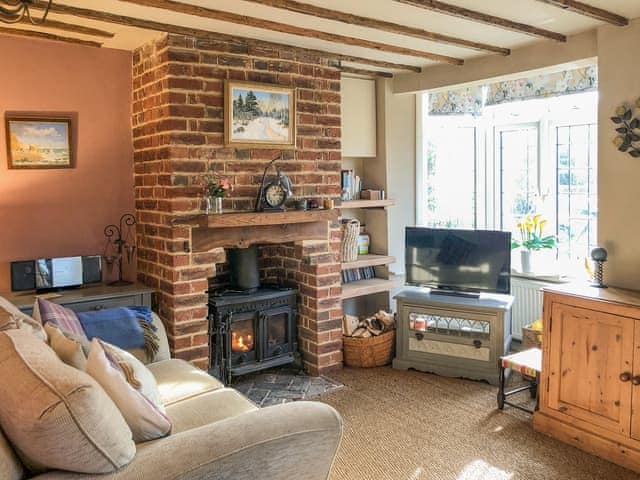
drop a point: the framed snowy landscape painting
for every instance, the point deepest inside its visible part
(259, 115)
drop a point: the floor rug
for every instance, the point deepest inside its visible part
(411, 425)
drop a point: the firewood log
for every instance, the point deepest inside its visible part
(349, 324)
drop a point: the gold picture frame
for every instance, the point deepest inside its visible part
(258, 115)
(39, 141)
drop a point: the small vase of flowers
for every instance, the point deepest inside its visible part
(216, 189)
(532, 239)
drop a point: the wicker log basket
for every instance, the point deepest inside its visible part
(350, 232)
(369, 352)
(368, 342)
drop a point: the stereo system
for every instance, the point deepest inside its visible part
(50, 273)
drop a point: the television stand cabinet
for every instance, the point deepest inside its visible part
(451, 335)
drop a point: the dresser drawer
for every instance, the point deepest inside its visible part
(95, 305)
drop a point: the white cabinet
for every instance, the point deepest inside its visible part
(358, 117)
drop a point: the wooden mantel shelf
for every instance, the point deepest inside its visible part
(251, 219)
(242, 229)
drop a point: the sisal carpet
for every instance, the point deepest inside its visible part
(416, 426)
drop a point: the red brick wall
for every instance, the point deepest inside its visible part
(178, 104)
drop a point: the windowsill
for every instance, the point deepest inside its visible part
(543, 276)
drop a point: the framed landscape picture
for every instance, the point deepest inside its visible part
(38, 142)
(259, 115)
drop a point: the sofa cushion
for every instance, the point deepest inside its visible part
(208, 408)
(178, 380)
(68, 350)
(12, 317)
(10, 466)
(114, 371)
(45, 311)
(57, 416)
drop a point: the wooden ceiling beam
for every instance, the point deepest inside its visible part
(590, 11)
(223, 16)
(69, 27)
(351, 19)
(368, 61)
(47, 36)
(115, 19)
(479, 17)
(362, 71)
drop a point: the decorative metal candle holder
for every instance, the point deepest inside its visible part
(599, 256)
(119, 246)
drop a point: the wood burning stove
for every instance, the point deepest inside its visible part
(251, 331)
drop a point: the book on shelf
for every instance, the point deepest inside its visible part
(357, 274)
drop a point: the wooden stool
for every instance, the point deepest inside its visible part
(528, 363)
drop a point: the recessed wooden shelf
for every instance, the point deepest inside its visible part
(370, 260)
(367, 287)
(388, 202)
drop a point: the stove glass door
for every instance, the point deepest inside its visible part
(277, 328)
(243, 340)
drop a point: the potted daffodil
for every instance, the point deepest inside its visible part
(532, 239)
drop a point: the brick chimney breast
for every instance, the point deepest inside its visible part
(178, 134)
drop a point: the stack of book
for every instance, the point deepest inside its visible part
(351, 185)
(356, 274)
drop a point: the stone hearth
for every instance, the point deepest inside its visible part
(178, 98)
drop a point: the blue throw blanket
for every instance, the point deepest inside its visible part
(118, 326)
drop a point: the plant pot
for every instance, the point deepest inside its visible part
(526, 263)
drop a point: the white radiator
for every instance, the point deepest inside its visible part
(527, 306)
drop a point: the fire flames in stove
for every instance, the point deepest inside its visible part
(241, 343)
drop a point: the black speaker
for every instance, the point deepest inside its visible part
(92, 269)
(23, 275)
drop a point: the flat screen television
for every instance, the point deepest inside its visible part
(458, 261)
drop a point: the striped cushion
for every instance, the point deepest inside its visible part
(45, 311)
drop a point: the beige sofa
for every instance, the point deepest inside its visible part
(218, 434)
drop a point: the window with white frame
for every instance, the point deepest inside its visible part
(490, 170)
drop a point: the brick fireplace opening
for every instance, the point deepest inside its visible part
(178, 98)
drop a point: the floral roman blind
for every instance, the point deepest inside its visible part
(543, 86)
(459, 101)
(471, 100)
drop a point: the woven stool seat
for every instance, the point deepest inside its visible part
(527, 362)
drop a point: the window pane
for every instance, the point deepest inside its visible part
(576, 195)
(519, 173)
(450, 172)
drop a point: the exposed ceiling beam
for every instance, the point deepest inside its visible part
(367, 61)
(112, 18)
(69, 27)
(362, 71)
(48, 36)
(351, 19)
(590, 11)
(220, 15)
(475, 16)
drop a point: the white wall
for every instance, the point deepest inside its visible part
(397, 143)
(618, 173)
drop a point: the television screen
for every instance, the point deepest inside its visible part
(459, 260)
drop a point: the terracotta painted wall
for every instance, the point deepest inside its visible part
(47, 213)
